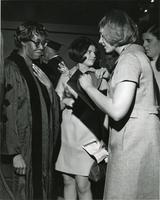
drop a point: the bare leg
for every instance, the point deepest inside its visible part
(69, 187)
(84, 188)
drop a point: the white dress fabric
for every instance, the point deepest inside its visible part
(72, 158)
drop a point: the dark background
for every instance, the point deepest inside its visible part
(79, 12)
(67, 19)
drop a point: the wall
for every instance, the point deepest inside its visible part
(63, 34)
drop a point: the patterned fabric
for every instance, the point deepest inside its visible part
(29, 129)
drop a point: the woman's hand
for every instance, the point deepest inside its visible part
(43, 78)
(102, 73)
(63, 68)
(19, 164)
(68, 102)
(85, 81)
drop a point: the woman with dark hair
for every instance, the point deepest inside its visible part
(151, 44)
(134, 144)
(30, 118)
(73, 161)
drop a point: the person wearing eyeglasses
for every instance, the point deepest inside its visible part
(30, 118)
(134, 145)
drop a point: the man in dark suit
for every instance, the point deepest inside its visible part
(52, 59)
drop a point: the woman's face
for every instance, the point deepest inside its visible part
(102, 40)
(151, 45)
(34, 48)
(90, 56)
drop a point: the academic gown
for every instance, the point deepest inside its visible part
(30, 128)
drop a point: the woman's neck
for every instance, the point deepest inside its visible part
(83, 68)
(26, 58)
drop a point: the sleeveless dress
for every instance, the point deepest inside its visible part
(72, 158)
(134, 144)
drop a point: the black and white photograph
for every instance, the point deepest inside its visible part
(80, 100)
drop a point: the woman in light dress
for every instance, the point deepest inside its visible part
(133, 168)
(73, 161)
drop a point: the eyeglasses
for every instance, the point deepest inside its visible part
(37, 43)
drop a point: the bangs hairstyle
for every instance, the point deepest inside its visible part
(27, 30)
(119, 28)
(154, 30)
(79, 47)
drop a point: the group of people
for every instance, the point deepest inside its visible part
(41, 108)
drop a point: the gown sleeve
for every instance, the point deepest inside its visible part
(15, 106)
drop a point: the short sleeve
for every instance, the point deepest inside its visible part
(128, 69)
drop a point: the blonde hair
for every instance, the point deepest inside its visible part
(119, 28)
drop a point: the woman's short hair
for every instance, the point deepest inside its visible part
(154, 29)
(79, 47)
(119, 28)
(27, 30)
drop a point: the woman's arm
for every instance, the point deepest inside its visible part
(61, 85)
(117, 106)
(65, 92)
